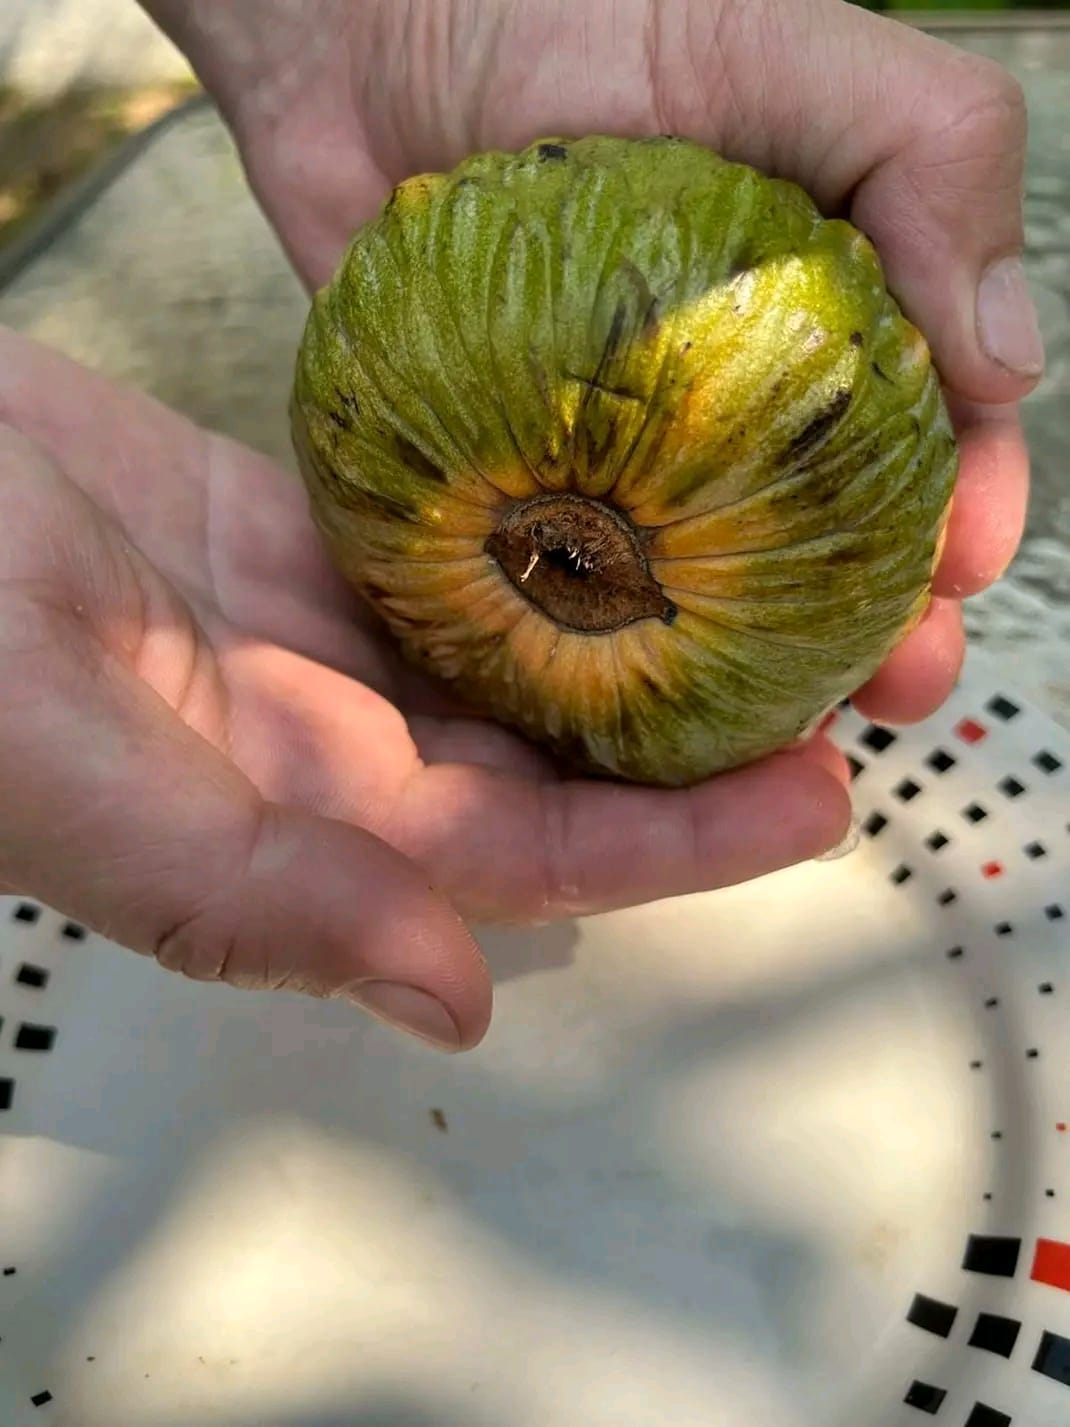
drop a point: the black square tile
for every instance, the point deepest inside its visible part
(947, 896)
(877, 738)
(992, 1255)
(940, 760)
(855, 765)
(7, 1092)
(35, 976)
(29, 1037)
(1035, 851)
(983, 1416)
(936, 841)
(975, 813)
(925, 1397)
(1003, 708)
(1047, 762)
(73, 932)
(1011, 787)
(1003, 929)
(994, 1334)
(932, 1316)
(874, 824)
(902, 874)
(26, 912)
(1054, 912)
(907, 790)
(954, 953)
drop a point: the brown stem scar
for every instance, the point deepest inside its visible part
(580, 562)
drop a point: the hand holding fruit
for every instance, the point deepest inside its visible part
(207, 751)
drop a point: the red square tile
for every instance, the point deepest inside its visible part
(1052, 1264)
(970, 731)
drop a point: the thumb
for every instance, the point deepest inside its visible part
(116, 812)
(920, 142)
(945, 212)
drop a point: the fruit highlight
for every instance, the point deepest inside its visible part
(629, 446)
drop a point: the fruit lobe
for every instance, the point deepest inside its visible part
(629, 445)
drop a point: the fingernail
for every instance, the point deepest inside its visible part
(409, 1009)
(1007, 319)
(845, 846)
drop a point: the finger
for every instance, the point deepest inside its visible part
(136, 825)
(920, 674)
(511, 849)
(991, 499)
(924, 141)
(821, 751)
(471, 818)
(479, 741)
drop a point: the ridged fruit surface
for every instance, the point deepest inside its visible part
(629, 445)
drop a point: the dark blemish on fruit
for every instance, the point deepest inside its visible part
(375, 592)
(857, 339)
(415, 459)
(818, 428)
(646, 296)
(843, 557)
(390, 505)
(552, 151)
(616, 330)
(606, 388)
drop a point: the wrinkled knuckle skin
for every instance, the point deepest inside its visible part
(32, 495)
(200, 946)
(991, 98)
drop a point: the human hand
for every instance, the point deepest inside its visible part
(209, 754)
(921, 144)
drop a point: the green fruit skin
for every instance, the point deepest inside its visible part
(679, 337)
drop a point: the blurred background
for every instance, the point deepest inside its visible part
(76, 78)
